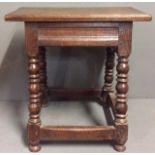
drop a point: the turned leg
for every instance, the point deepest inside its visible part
(124, 50)
(121, 103)
(43, 76)
(34, 104)
(108, 78)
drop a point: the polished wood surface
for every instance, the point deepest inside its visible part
(34, 121)
(78, 14)
(43, 34)
(107, 27)
(78, 36)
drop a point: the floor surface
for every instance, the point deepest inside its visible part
(14, 115)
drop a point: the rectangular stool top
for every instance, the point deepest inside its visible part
(29, 14)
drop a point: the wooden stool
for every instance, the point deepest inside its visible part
(106, 27)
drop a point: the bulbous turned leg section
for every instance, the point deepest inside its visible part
(43, 76)
(34, 104)
(121, 104)
(108, 78)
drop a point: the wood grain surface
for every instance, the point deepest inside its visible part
(77, 14)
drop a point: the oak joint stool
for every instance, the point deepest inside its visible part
(109, 27)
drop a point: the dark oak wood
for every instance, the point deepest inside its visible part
(34, 89)
(78, 36)
(108, 78)
(34, 104)
(75, 93)
(43, 76)
(78, 133)
(107, 27)
(124, 50)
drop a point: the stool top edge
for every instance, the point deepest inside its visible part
(102, 14)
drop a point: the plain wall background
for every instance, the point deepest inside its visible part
(82, 68)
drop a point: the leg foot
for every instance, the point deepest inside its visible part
(34, 148)
(119, 148)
